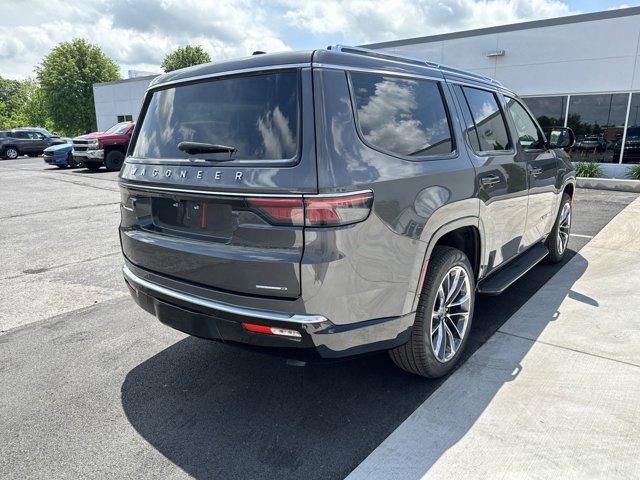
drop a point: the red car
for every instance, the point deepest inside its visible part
(103, 148)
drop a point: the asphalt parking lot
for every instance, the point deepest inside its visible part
(95, 387)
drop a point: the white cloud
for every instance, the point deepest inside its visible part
(368, 21)
(139, 33)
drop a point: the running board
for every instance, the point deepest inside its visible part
(498, 282)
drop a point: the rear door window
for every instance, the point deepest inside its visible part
(258, 115)
(402, 116)
(489, 123)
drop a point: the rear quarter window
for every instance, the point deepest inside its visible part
(402, 116)
(259, 115)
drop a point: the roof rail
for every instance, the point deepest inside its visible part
(411, 60)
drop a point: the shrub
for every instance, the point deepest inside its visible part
(588, 169)
(634, 172)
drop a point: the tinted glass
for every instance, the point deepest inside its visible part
(549, 111)
(401, 116)
(529, 137)
(256, 114)
(489, 123)
(469, 125)
(632, 145)
(598, 122)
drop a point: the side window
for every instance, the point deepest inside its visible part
(400, 115)
(529, 136)
(489, 123)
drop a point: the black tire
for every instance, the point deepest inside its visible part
(92, 166)
(71, 162)
(417, 355)
(560, 228)
(114, 160)
(10, 153)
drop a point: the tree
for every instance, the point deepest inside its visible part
(12, 100)
(185, 57)
(66, 76)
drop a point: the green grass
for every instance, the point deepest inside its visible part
(588, 169)
(634, 172)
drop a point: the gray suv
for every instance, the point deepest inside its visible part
(25, 141)
(337, 202)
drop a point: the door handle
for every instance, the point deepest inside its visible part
(535, 171)
(490, 180)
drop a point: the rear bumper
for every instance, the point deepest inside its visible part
(319, 337)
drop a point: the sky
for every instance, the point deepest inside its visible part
(137, 34)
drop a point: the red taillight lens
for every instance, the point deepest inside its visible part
(314, 211)
(337, 210)
(280, 211)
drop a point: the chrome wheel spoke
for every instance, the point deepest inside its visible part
(450, 313)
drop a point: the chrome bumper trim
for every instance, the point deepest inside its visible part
(223, 307)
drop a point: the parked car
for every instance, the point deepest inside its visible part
(60, 155)
(631, 146)
(336, 202)
(593, 143)
(23, 141)
(41, 130)
(103, 148)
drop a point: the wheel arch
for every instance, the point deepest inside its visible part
(466, 235)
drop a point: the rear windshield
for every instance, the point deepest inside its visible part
(257, 115)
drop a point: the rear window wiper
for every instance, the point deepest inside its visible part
(193, 148)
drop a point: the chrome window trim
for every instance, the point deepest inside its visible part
(223, 307)
(227, 73)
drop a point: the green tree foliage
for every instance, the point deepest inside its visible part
(185, 57)
(66, 76)
(12, 102)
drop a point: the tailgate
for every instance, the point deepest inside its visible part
(230, 218)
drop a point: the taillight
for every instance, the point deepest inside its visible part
(280, 211)
(329, 211)
(282, 332)
(315, 211)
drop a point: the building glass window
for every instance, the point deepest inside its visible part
(598, 122)
(632, 142)
(125, 118)
(549, 111)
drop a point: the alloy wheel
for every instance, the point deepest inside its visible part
(11, 153)
(450, 315)
(564, 228)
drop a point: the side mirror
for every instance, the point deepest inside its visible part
(561, 137)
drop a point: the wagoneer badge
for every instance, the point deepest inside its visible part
(164, 172)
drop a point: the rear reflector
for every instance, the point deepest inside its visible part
(282, 332)
(314, 211)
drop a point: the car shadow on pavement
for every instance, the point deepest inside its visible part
(217, 411)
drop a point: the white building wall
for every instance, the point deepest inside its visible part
(119, 98)
(585, 57)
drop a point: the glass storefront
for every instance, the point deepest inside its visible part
(549, 111)
(598, 121)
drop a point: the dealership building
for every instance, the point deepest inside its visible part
(580, 71)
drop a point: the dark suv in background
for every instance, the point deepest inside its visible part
(25, 141)
(336, 202)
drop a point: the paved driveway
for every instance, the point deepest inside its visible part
(95, 387)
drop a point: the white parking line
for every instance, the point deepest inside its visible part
(580, 235)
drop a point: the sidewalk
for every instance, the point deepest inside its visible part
(555, 393)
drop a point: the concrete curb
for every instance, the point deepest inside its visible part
(618, 184)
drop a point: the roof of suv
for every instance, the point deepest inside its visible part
(335, 56)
